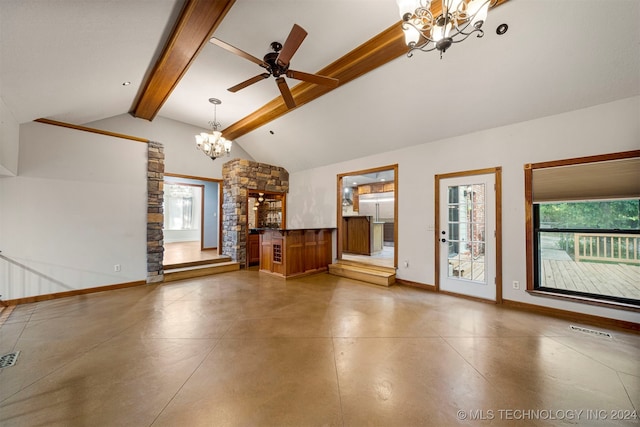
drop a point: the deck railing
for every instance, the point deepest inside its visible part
(607, 247)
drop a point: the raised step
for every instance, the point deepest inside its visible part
(218, 259)
(378, 275)
(172, 273)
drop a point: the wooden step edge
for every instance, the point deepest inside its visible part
(221, 259)
(365, 277)
(198, 267)
(199, 272)
(366, 265)
(365, 270)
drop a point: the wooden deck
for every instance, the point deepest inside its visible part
(467, 268)
(620, 280)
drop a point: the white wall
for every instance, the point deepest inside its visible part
(181, 155)
(77, 208)
(597, 130)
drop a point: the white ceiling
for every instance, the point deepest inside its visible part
(67, 59)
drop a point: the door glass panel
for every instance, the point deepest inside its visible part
(467, 232)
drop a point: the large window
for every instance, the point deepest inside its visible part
(585, 228)
(589, 248)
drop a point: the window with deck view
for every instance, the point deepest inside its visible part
(585, 228)
(589, 248)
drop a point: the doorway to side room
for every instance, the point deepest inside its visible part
(368, 216)
(191, 219)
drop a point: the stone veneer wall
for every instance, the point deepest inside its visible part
(155, 215)
(239, 176)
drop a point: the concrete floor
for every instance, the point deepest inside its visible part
(246, 349)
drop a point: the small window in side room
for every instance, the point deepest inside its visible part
(181, 207)
(583, 227)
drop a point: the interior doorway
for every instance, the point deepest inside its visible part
(191, 209)
(368, 216)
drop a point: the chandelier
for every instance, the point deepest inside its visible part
(213, 144)
(457, 20)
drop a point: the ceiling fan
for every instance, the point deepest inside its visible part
(277, 65)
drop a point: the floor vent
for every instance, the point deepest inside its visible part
(590, 331)
(9, 359)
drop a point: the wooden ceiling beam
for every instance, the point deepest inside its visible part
(381, 49)
(194, 27)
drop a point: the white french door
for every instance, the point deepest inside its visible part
(467, 235)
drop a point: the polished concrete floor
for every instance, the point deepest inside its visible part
(246, 349)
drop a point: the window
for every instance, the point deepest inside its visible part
(584, 228)
(181, 207)
(589, 248)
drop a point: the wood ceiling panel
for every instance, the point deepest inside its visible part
(194, 27)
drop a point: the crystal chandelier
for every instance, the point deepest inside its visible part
(213, 144)
(457, 20)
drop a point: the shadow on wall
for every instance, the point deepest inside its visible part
(315, 202)
(17, 272)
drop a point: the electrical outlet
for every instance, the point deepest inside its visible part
(406, 264)
(516, 284)
(116, 267)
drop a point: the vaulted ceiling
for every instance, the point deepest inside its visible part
(66, 60)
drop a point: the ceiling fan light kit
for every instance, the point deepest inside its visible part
(277, 65)
(213, 144)
(457, 20)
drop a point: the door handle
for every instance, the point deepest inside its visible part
(443, 240)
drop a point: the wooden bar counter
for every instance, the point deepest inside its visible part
(290, 253)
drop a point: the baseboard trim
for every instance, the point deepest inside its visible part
(75, 292)
(605, 322)
(453, 294)
(419, 285)
(572, 315)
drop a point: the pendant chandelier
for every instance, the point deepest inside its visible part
(456, 20)
(213, 144)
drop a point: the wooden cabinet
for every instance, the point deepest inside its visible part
(253, 252)
(389, 232)
(361, 235)
(290, 253)
(376, 187)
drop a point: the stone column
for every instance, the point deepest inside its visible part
(155, 215)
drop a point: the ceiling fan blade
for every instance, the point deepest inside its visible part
(291, 45)
(286, 92)
(237, 51)
(248, 82)
(313, 78)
